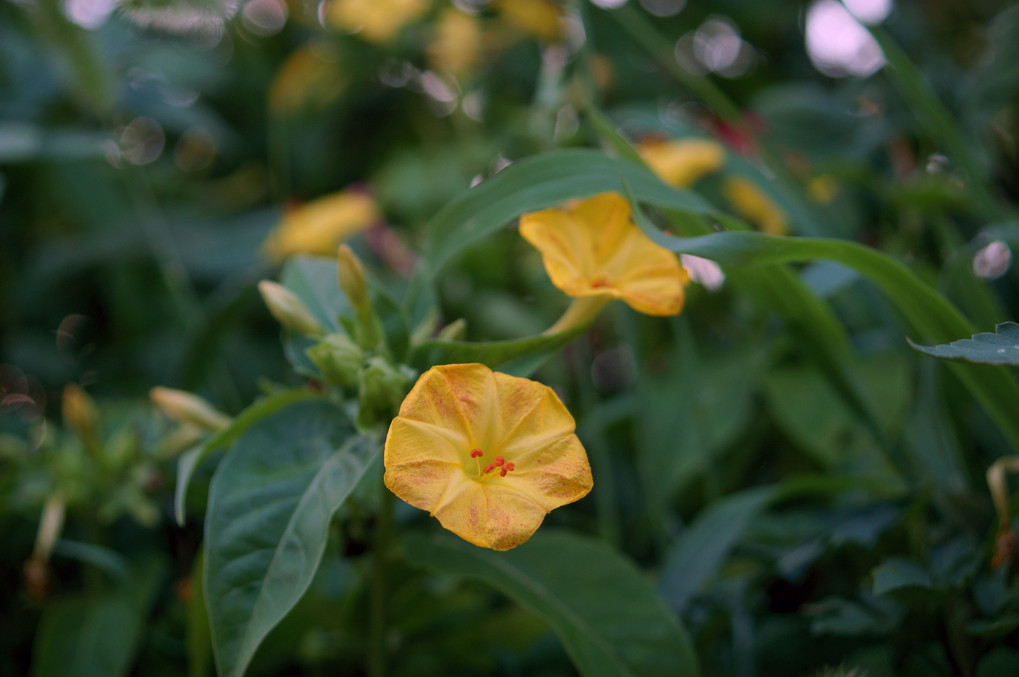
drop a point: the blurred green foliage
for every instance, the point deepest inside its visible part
(782, 486)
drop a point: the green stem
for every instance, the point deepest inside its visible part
(377, 611)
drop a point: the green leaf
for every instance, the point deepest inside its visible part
(898, 573)
(97, 635)
(199, 640)
(270, 504)
(1001, 347)
(599, 604)
(537, 183)
(699, 551)
(192, 458)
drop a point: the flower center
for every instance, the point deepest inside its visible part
(499, 462)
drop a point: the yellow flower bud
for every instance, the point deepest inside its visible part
(289, 310)
(79, 411)
(188, 408)
(352, 281)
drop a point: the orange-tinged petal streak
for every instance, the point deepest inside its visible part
(593, 248)
(457, 413)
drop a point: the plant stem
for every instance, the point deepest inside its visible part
(377, 612)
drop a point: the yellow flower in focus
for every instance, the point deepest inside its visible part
(457, 43)
(487, 454)
(317, 227)
(537, 18)
(305, 80)
(593, 249)
(375, 20)
(753, 205)
(681, 162)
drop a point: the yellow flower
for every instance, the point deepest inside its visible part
(375, 20)
(592, 249)
(753, 205)
(487, 454)
(457, 42)
(305, 80)
(823, 189)
(318, 226)
(537, 18)
(681, 162)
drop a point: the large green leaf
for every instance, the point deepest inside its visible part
(607, 615)
(192, 458)
(1001, 347)
(97, 635)
(270, 504)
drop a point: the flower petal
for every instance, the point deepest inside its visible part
(493, 516)
(593, 248)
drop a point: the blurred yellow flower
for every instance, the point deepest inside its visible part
(681, 162)
(537, 18)
(593, 249)
(457, 42)
(305, 80)
(375, 20)
(753, 205)
(487, 454)
(823, 189)
(317, 227)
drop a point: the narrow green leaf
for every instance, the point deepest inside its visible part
(1001, 347)
(608, 617)
(491, 353)
(699, 551)
(192, 458)
(270, 504)
(538, 182)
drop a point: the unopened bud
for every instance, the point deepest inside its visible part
(188, 408)
(338, 358)
(454, 331)
(383, 388)
(79, 411)
(289, 310)
(351, 275)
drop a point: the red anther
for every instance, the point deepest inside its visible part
(502, 473)
(599, 283)
(508, 467)
(499, 460)
(477, 453)
(488, 468)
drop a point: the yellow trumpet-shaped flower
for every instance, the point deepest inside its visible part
(375, 20)
(753, 205)
(317, 227)
(593, 249)
(681, 162)
(537, 18)
(487, 454)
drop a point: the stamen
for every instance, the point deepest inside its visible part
(600, 282)
(505, 469)
(477, 453)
